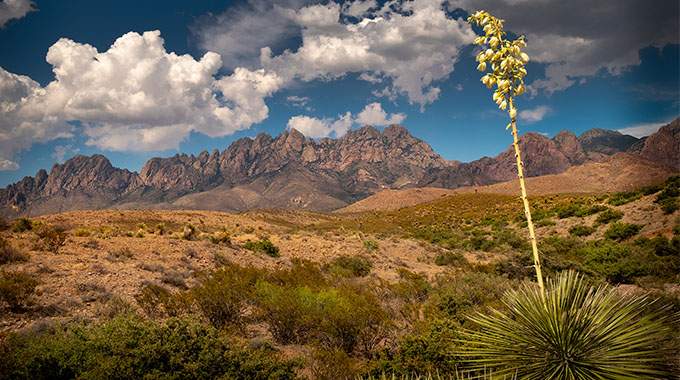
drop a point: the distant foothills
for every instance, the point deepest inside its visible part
(294, 172)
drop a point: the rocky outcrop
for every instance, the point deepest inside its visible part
(292, 171)
(663, 147)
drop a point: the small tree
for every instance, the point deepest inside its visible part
(506, 60)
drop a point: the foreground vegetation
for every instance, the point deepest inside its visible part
(334, 319)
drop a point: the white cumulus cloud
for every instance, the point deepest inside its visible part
(414, 44)
(372, 114)
(534, 115)
(135, 96)
(14, 9)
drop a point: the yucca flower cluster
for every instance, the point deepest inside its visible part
(505, 58)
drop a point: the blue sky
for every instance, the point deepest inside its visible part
(137, 79)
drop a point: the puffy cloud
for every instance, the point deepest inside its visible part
(413, 44)
(133, 97)
(373, 114)
(297, 101)
(535, 115)
(8, 165)
(60, 152)
(641, 130)
(24, 118)
(608, 34)
(317, 128)
(14, 9)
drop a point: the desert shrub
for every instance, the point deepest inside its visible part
(609, 215)
(622, 198)
(22, 225)
(332, 364)
(618, 263)
(16, 289)
(91, 292)
(567, 210)
(660, 245)
(430, 350)
(161, 229)
(220, 259)
(450, 258)
(156, 301)
(265, 246)
(371, 245)
(11, 254)
(454, 297)
(175, 279)
(507, 236)
(189, 232)
(120, 254)
(351, 266)
(576, 209)
(669, 205)
(531, 338)
(282, 309)
(346, 317)
(443, 237)
(581, 230)
(81, 232)
(132, 348)
(222, 295)
(221, 236)
(622, 231)
(51, 238)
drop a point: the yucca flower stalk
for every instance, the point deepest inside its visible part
(506, 61)
(572, 331)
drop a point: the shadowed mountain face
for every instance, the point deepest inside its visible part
(544, 156)
(291, 171)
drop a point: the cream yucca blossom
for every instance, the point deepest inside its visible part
(507, 61)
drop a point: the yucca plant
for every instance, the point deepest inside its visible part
(506, 61)
(572, 331)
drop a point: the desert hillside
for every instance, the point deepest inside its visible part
(406, 265)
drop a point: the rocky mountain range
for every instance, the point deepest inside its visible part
(291, 171)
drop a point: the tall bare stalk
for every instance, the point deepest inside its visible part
(507, 70)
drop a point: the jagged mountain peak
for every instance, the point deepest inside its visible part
(291, 170)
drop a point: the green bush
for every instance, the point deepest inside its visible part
(669, 205)
(265, 246)
(189, 232)
(16, 289)
(431, 350)
(132, 348)
(371, 245)
(22, 225)
(622, 231)
(450, 258)
(10, 254)
(581, 230)
(81, 232)
(223, 295)
(622, 198)
(222, 236)
(351, 266)
(609, 215)
(52, 239)
(161, 229)
(158, 302)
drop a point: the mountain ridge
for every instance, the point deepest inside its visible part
(292, 171)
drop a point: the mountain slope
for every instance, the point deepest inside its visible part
(291, 171)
